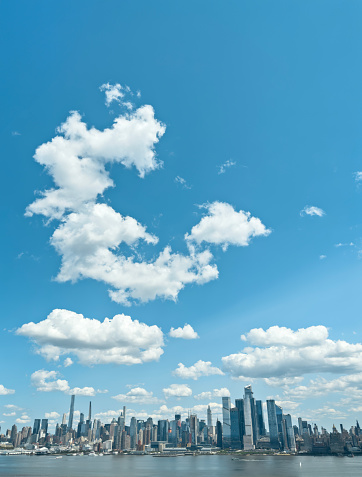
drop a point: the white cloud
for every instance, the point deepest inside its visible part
(222, 392)
(225, 226)
(288, 353)
(9, 414)
(280, 335)
(46, 381)
(87, 242)
(358, 176)
(113, 92)
(12, 406)
(200, 368)
(138, 395)
(68, 362)
(77, 157)
(186, 333)
(312, 211)
(322, 257)
(24, 419)
(351, 385)
(177, 390)
(226, 165)
(283, 381)
(52, 415)
(119, 340)
(4, 391)
(180, 180)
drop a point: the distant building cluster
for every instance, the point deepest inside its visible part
(242, 429)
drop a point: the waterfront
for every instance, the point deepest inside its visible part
(214, 465)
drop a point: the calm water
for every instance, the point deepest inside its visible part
(200, 466)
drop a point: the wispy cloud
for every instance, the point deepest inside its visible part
(225, 166)
(312, 210)
(180, 180)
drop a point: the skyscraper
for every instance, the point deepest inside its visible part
(71, 413)
(239, 403)
(209, 417)
(36, 427)
(273, 424)
(260, 418)
(226, 425)
(235, 429)
(249, 411)
(90, 411)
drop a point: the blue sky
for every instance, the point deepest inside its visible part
(270, 88)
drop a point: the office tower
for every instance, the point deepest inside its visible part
(133, 432)
(162, 430)
(249, 412)
(90, 411)
(226, 426)
(36, 427)
(64, 419)
(290, 432)
(239, 404)
(279, 412)
(44, 426)
(194, 428)
(260, 418)
(273, 424)
(14, 432)
(209, 417)
(235, 429)
(300, 426)
(71, 413)
(124, 414)
(218, 434)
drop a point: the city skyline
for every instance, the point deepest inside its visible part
(181, 210)
(243, 428)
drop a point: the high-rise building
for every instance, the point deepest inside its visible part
(226, 425)
(71, 413)
(290, 432)
(133, 432)
(235, 429)
(218, 433)
(194, 428)
(209, 417)
(273, 424)
(249, 417)
(36, 427)
(260, 418)
(44, 426)
(90, 411)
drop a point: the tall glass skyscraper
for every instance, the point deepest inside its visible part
(273, 424)
(226, 427)
(71, 413)
(248, 439)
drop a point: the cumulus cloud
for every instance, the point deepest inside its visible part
(283, 381)
(68, 362)
(287, 353)
(113, 92)
(138, 396)
(4, 391)
(349, 384)
(186, 333)
(280, 335)
(226, 165)
(197, 370)
(92, 238)
(312, 210)
(52, 415)
(24, 419)
(9, 414)
(118, 340)
(224, 226)
(177, 390)
(48, 381)
(222, 392)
